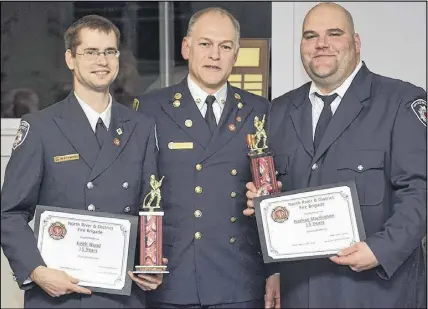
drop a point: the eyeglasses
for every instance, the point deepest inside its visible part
(93, 55)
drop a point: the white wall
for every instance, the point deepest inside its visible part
(393, 38)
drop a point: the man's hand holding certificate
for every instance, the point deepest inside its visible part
(310, 223)
(358, 257)
(56, 282)
(92, 249)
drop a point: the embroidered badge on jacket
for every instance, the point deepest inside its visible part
(24, 128)
(419, 107)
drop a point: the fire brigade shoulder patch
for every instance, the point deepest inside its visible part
(24, 128)
(419, 107)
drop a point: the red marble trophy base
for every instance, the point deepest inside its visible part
(150, 243)
(263, 171)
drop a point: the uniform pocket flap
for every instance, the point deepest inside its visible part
(360, 161)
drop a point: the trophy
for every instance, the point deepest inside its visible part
(151, 232)
(262, 166)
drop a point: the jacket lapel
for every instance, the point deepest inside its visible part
(349, 108)
(182, 109)
(302, 121)
(75, 126)
(116, 141)
(232, 119)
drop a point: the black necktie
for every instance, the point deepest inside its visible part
(100, 132)
(209, 116)
(325, 117)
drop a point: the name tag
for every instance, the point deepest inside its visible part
(180, 145)
(70, 157)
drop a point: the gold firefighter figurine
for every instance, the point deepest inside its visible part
(154, 193)
(260, 135)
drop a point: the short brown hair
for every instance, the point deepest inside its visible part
(93, 22)
(219, 10)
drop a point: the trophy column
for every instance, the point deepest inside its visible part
(263, 172)
(262, 165)
(151, 233)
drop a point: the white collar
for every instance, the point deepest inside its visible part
(341, 90)
(93, 115)
(200, 95)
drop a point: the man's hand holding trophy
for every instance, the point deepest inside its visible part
(262, 166)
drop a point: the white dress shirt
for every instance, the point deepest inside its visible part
(200, 96)
(93, 115)
(318, 104)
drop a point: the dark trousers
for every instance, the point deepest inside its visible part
(258, 303)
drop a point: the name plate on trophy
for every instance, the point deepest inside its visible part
(312, 223)
(97, 248)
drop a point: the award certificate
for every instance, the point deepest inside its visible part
(96, 248)
(311, 223)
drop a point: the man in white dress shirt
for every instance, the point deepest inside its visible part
(202, 124)
(350, 124)
(107, 153)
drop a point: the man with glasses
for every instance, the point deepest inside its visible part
(202, 123)
(109, 153)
